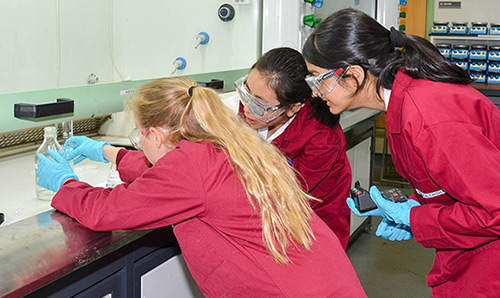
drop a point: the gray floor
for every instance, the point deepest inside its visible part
(390, 269)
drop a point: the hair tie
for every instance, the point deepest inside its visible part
(190, 90)
(397, 38)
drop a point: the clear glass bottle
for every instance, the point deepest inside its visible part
(67, 130)
(67, 133)
(49, 142)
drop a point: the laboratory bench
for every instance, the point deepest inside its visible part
(44, 253)
(51, 255)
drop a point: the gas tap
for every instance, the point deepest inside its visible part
(201, 38)
(179, 64)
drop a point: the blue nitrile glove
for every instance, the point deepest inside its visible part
(391, 231)
(399, 213)
(51, 174)
(352, 206)
(82, 147)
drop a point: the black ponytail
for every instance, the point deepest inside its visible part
(285, 70)
(351, 37)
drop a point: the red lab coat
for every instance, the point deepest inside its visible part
(194, 188)
(445, 140)
(318, 153)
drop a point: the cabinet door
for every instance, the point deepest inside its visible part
(169, 279)
(111, 287)
(360, 159)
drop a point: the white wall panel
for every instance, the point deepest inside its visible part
(47, 44)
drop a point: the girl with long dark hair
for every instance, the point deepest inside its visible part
(303, 129)
(443, 135)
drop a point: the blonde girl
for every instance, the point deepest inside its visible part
(243, 223)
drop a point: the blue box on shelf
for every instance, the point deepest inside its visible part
(444, 49)
(494, 28)
(478, 65)
(478, 77)
(440, 28)
(494, 67)
(458, 28)
(494, 53)
(462, 63)
(479, 28)
(478, 52)
(493, 78)
(460, 51)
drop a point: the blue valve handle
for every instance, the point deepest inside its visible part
(207, 38)
(183, 63)
(318, 3)
(315, 3)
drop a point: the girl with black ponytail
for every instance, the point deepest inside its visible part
(444, 137)
(277, 102)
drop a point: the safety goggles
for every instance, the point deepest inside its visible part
(137, 136)
(262, 109)
(324, 83)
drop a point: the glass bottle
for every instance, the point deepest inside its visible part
(49, 142)
(67, 133)
(67, 130)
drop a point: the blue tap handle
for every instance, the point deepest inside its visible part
(207, 38)
(182, 61)
(318, 3)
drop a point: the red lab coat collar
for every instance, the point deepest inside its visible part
(290, 134)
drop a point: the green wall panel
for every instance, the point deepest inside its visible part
(90, 100)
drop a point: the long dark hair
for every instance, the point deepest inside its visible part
(351, 37)
(285, 70)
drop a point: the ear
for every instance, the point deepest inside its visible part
(294, 109)
(357, 73)
(158, 135)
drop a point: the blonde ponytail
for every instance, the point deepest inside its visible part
(270, 183)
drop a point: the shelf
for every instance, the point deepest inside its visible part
(470, 40)
(466, 37)
(485, 86)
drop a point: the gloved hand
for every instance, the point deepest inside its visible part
(391, 231)
(352, 206)
(83, 147)
(51, 174)
(399, 213)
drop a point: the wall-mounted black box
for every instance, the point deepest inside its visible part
(62, 106)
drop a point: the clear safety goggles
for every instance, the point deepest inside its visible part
(137, 136)
(262, 109)
(324, 83)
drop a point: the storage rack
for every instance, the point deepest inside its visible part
(492, 91)
(485, 39)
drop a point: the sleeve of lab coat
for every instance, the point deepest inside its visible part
(317, 162)
(131, 164)
(165, 194)
(465, 164)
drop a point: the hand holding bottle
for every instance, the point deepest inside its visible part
(52, 173)
(84, 147)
